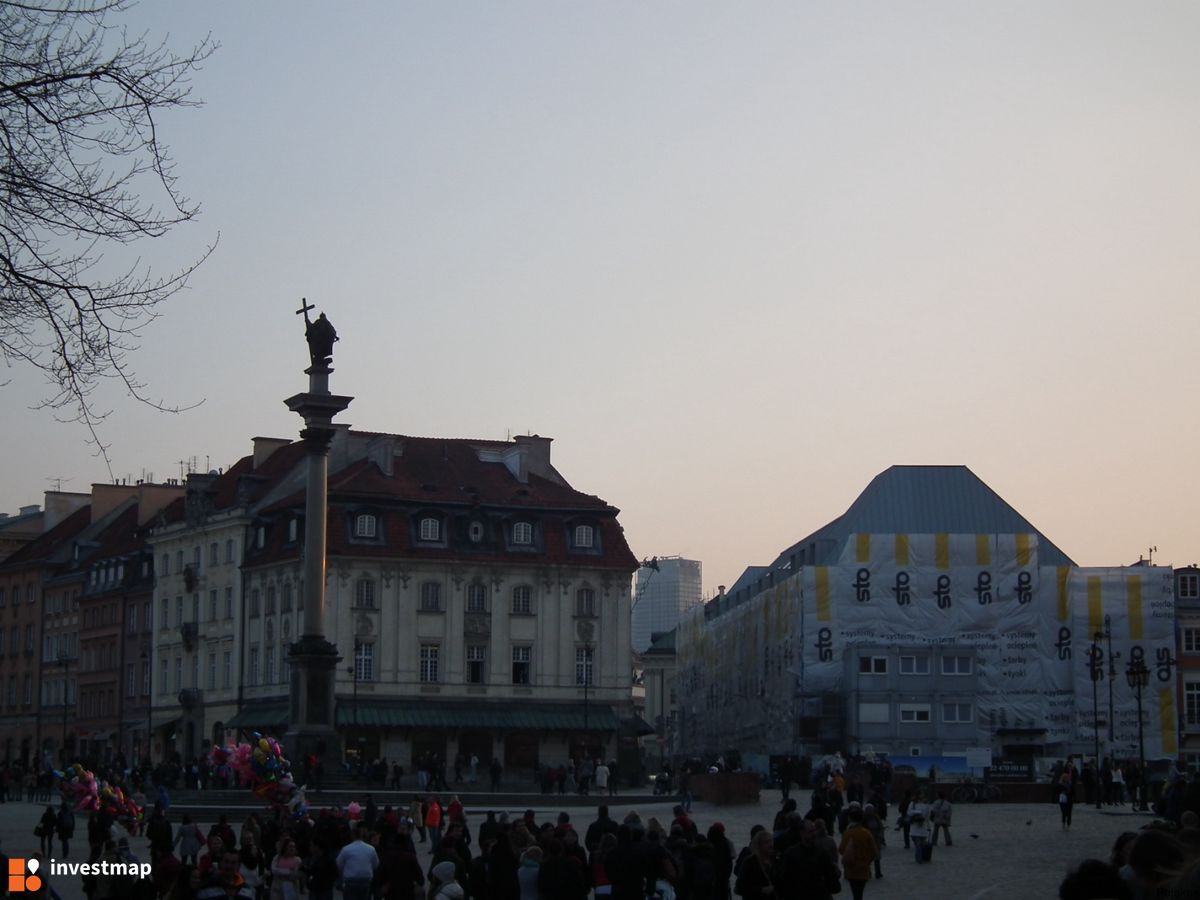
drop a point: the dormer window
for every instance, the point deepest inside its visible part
(475, 532)
(430, 529)
(522, 534)
(584, 537)
(365, 525)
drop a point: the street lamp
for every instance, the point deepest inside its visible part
(1096, 670)
(149, 669)
(1138, 677)
(66, 664)
(587, 681)
(353, 672)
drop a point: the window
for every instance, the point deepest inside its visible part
(584, 537)
(475, 532)
(14, 641)
(429, 662)
(131, 618)
(956, 665)
(873, 713)
(146, 678)
(270, 600)
(195, 608)
(212, 554)
(585, 602)
(583, 665)
(178, 560)
(364, 526)
(165, 618)
(522, 533)
(254, 665)
(364, 593)
(431, 529)
(229, 603)
(477, 598)
(196, 671)
(227, 669)
(475, 664)
(27, 690)
(196, 557)
(270, 673)
(872, 665)
(1191, 640)
(285, 605)
(431, 596)
(178, 611)
(28, 638)
(148, 615)
(914, 714)
(229, 551)
(178, 673)
(293, 527)
(520, 665)
(212, 671)
(957, 712)
(364, 662)
(914, 665)
(130, 680)
(254, 602)
(1189, 586)
(522, 600)
(163, 686)
(212, 606)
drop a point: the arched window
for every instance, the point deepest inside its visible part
(364, 593)
(477, 597)
(585, 602)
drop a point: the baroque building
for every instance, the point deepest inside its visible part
(480, 603)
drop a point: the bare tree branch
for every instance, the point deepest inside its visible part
(84, 173)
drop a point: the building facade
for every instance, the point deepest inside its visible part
(1187, 607)
(664, 589)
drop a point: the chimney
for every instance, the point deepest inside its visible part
(535, 458)
(60, 504)
(264, 447)
(152, 498)
(107, 497)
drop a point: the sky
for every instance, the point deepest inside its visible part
(736, 259)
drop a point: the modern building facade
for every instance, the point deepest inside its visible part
(1187, 607)
(664, 589)
(930, 620)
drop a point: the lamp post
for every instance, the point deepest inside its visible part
(1138, 677)
(66, 664)
(353, 670)
(1096, 670)
(149, 705)
(587, 681)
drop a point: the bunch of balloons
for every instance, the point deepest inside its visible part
(86, 793)
(262, 765)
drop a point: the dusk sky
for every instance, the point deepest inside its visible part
(736, 259)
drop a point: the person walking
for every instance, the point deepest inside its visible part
(1066, 801)
(918, 828)
(756, 877)
(858, 852)
(940, 813)
(45, 830)
(356, 863)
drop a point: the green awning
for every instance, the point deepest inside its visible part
(510, 715)
(636, 726)
(260, 715)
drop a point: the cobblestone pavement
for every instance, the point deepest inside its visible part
(1020, 850)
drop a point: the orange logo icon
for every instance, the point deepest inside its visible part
(18, 881)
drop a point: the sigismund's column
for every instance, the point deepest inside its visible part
(313, 659)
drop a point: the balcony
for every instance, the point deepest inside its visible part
(190, 698)
(190, 632)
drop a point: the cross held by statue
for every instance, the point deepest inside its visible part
(305, 306)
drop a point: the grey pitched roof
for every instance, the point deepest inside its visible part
(920, 500)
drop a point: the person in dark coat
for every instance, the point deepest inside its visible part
(560, 876)
(722, 860)
(625, 866)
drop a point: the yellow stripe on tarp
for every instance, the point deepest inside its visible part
(902, 549)
(983, 550)
(1024, 550)
(862, 548)
(824, 613)
(1064, 579)
(1133, 596)
(941, 545)
(1166, 719)
(1095, 605)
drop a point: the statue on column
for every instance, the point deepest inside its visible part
(321, 336)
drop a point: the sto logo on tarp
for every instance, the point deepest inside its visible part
(18, 881)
